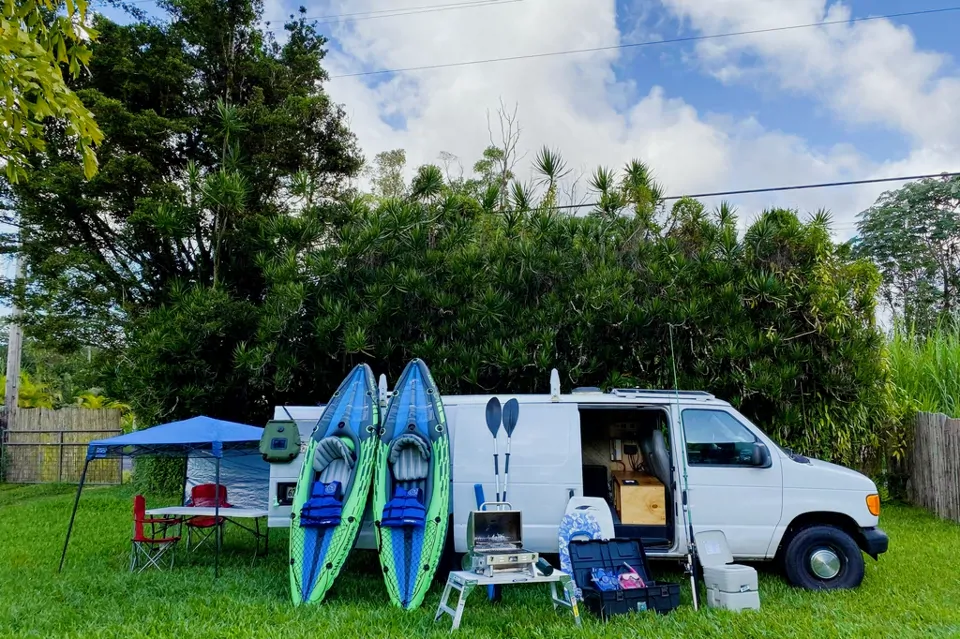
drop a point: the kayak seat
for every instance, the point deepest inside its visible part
(409, 460)
(404, 510)
(324, 507)
(333, 461)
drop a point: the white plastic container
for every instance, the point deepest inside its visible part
(730, 578)
(735, 601)
(729, 586)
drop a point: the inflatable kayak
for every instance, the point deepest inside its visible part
(333, 486)
(411, 490)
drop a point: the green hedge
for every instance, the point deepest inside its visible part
(779, 322)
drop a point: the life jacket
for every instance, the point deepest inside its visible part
(324, 507)
(404, 509)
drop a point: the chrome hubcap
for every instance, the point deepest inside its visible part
(825, 564)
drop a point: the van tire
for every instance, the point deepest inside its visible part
(804, 558)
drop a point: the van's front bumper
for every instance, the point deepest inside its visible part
(873, 541)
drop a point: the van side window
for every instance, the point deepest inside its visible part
(716, 438)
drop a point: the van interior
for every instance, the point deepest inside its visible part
(626, 461)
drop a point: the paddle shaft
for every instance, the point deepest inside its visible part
(496, 466)
(506, 471)
(511, 413)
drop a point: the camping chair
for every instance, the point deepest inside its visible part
(150, 551)
(204, 527)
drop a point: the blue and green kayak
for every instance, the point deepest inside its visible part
(333, 487)
(411, 493)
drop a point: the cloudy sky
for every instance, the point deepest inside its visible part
(847, 101)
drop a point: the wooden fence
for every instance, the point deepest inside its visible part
(935, 465)
(44, 445)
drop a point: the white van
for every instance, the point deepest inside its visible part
(813, 517)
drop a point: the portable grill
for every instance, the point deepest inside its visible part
(495, 542)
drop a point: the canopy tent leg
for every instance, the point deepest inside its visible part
(183, 489)
(216, 519)
(76, 502)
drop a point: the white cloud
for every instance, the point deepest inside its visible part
(866, 74)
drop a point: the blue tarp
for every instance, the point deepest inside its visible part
(195, 435)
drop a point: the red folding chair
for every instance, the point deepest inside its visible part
(205, 527)
(150, 551)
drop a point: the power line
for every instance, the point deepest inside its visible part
(387, 13)
(647, 43)
(822, 185)
(772, 189)
(393, 13)
(422, 8)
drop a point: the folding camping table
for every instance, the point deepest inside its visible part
(465, 581)
(231, 514)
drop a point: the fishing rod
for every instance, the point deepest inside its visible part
(685, 501)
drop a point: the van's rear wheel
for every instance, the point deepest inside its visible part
(823, 558)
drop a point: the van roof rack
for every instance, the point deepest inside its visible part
(626, 392)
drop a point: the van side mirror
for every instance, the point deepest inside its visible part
(760, 456)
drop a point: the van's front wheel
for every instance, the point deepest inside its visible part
(823, 558)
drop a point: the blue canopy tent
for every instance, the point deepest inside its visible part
(198, 436)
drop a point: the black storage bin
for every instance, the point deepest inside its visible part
(663, 597)
(612, 555)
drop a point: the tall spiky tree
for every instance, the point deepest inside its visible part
(551, 168)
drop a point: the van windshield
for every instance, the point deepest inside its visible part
(786, 451)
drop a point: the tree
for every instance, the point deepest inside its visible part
(501, 156)
(912, 235)
(64, 375)
(386, 174)
(180, 199)
(35, 46)
(551, 168)
(215, 136)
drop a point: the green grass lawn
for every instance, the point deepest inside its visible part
(913, 591)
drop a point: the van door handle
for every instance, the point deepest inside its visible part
(571, 492)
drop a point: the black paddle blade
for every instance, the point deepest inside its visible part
(511, 413)
(493, 416)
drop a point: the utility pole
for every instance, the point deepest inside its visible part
(14, 350)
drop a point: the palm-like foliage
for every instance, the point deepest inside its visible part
(428, 183)
(33, 393)
(551, 168)
(610, 198)
(521, 196)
